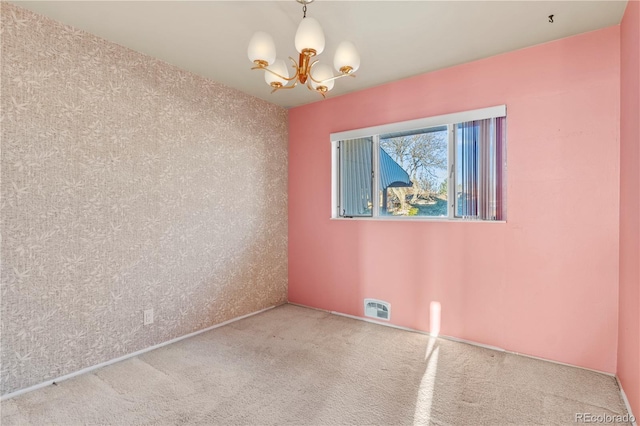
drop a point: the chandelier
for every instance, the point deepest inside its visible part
(309, 42)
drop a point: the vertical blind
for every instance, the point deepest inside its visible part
(480, 191)
(356, 169)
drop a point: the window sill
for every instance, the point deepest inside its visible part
(415, 219)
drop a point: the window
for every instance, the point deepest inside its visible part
(447, 167)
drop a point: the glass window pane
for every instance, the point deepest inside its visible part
(413, 173)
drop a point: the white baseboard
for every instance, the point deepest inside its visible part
(626, 402)
(195, 333)
(124, 357)
(606, 373)
(469, 342)
(426, 333)
(454, 339)
(399, 327)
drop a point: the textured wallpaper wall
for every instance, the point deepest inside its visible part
(127, 184)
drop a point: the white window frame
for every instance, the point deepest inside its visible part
(448, 120)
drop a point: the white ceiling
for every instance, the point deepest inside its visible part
(396, 39)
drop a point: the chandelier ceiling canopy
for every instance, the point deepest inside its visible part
(309, 42)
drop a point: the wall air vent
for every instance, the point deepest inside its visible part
(377, 309)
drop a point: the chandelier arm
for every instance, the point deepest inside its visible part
(314, 90)
(295, 66)
(344, 74)
(275, 73)
(309, 73)
(275, 89)
(335, 78)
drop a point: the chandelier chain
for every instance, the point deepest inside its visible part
(304, 11)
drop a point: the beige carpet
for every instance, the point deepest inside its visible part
(298, 366)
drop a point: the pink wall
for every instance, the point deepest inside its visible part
(546, 282)
(629, 319)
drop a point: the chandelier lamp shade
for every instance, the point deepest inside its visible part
(309, 42)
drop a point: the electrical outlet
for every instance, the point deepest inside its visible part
(148, 316)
